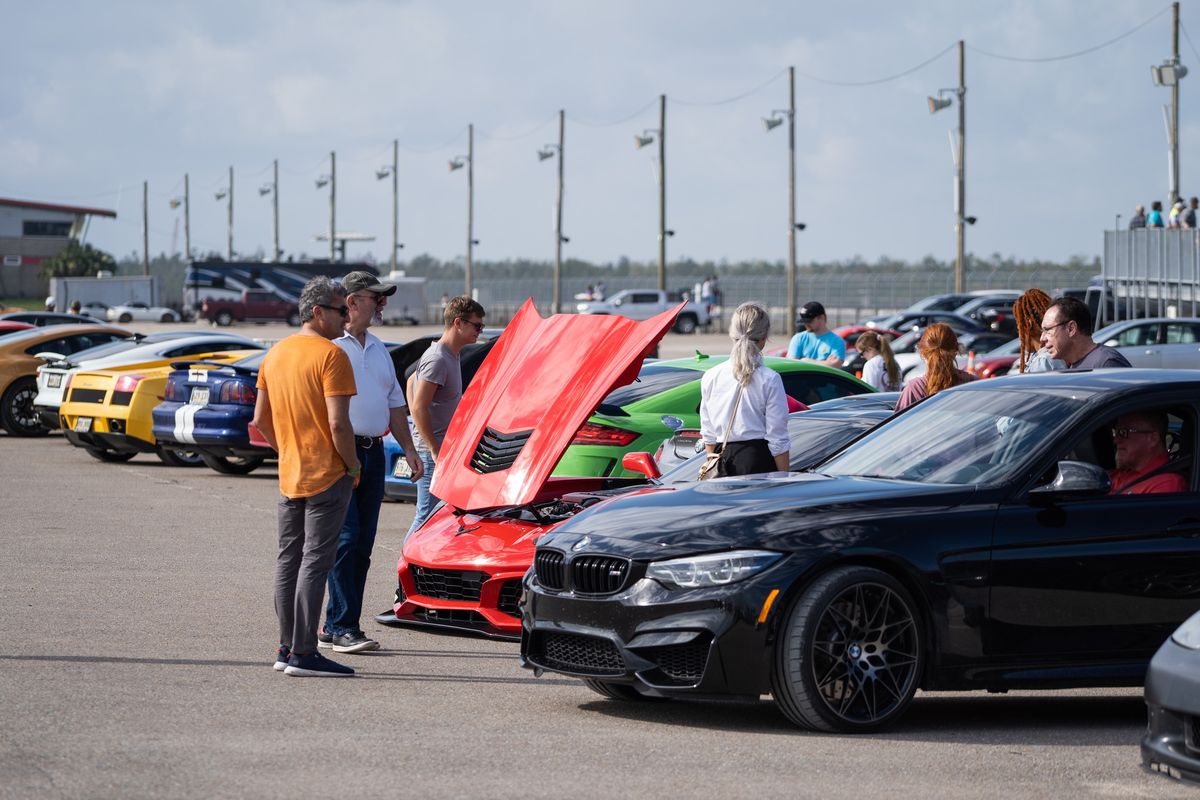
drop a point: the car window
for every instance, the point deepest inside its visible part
(1136, 336)
(651, 380)
(643, 297)
(1099, 446)
(59, 345)
(87, 342)
(811, 388)
(195, 349)
(1182, 333)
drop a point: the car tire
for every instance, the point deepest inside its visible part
(125, 318)
(167, 318)
(17, 415)
(223, 319)
(850, 653)
(109, 456)
(176, 457)
(294, 319)
(686, 324)
(618, 691)
(232, 465)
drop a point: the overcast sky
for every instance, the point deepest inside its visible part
(98, 97)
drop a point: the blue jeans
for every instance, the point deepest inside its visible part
(348, 578)
(425, 499)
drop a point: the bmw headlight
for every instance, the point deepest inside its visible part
(1188, 634)
(714, 569)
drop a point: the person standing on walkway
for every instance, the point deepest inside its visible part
(880, 369)
(303, 411)
(1067, 334)
(743, 407)
(939, 349)
(1138, 220)
(1155, 218)
(1028, 310)
(378, 406)
(436, 391)
(816, 343)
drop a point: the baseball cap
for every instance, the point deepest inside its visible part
(810, 310)
(363, 281)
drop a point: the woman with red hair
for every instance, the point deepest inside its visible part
(939, 348)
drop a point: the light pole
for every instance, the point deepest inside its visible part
(958, 151)
(648, 137)
(272, 189)
(548, 152)
(458, 162)
(185, 201)
(1168, 74)
(331, 180)
(226, 194)
(394, 171)
(770, 123)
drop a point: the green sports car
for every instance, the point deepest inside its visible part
(665, 397)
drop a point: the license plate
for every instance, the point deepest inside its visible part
(83, 424)
(55, 381)
(402, 469)
(199, 396)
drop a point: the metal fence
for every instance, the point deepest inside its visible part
(847, 297)
(1150, 272)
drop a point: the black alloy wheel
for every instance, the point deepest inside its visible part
(232, 465)
(224, 319)
(850, 654)
(686, 324)
(175, 457)
(110, 456)
(618, 691)
(17, 414)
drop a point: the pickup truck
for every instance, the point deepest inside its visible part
(645, 303)
(255, 305)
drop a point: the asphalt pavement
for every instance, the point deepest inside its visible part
(138, 635)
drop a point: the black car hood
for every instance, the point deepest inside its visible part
(776, 513)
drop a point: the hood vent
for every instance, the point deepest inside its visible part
(497, 451)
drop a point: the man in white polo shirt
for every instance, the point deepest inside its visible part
(378, 406)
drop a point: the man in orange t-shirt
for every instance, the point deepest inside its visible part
(303, 411)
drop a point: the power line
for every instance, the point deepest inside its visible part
(424, 151)
(877, 81)
(528, 133)
(1076, 54)
(1189, 40)
(733, 99)
(622, 121)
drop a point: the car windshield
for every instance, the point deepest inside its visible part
(652, 380)
(983, 437)
(939, 302)
(1009, 348)
(908, 342)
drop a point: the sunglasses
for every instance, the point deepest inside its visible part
(343, 310)
(1123, 433)
(478, 326)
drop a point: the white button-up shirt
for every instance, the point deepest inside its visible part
(378, 389)
(761, 414)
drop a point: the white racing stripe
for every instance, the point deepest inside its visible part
(185, 423)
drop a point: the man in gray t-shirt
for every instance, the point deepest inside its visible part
(1067, 335)
(436, 390)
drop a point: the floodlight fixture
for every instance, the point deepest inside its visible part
(546, 152)
(322, 181)
(383, 172)
(265, 189)
(645, 138)
(1168, 73)
(775, 120)
(221, 194)
(936, 104)
(458, 162)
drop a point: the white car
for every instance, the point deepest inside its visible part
(1163, 342)
(140, 312)
(53, 376)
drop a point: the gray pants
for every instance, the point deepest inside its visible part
(308, 536)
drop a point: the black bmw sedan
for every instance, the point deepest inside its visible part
(971, 542)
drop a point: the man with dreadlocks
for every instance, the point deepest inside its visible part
(1028, 311)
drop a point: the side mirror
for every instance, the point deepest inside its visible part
(642, 463)
(1075, 479)
(617, 301)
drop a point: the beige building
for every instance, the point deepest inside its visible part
(31, 232)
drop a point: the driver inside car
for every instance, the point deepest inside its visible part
(1142, 462)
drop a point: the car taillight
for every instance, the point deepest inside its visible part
(603, 435)
(127, 383)
(238, 393)
(171, 391)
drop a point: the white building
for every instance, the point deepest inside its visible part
(31, 232)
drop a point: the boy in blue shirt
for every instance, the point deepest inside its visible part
(816, 343)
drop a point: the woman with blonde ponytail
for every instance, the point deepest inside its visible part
(939, 348)
(743, 408)
(881, 369)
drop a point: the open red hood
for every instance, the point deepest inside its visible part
(542, 380)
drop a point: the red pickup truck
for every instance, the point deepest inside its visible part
(255, 305)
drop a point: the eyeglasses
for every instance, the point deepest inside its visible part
(343, 310)
(1048, 328)
(478, 326)
(1123, 433)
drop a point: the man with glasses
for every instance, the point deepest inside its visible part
(378, 406)
(437, 389)
(1140, 441)
(303, 411)
(1067, 336)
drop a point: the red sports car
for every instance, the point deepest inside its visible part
(463, 568)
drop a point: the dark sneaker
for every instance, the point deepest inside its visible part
(316, 666)
(354, 642)
(324, 640)
(281, 657)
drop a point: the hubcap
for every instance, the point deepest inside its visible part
(864, 653)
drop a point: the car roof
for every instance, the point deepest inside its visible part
(1097, 381)
(55, 331)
